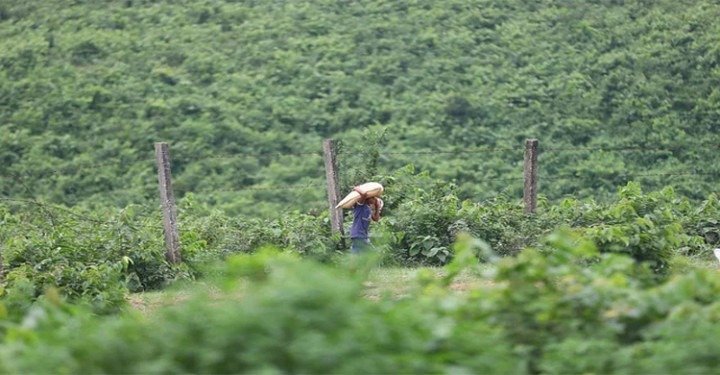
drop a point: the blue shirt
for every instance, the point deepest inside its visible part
(361, 221)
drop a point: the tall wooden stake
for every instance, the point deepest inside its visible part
(531, 179)
(172, 238)
(333, 187)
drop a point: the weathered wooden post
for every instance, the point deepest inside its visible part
(172, 238)
(333, 187)
(531, 176)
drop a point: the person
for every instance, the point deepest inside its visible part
(365, 210)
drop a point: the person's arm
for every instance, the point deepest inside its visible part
(376, 209)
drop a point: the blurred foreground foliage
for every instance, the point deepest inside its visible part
(565, 307)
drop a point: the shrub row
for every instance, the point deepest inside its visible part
(568, 310)
(96, 258)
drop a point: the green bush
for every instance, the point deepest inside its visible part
(209, 234)
(96, 257)
(90, 258)
(568, 310)
(606, 316)
(290, 316)
(650, 227)
(425, 217)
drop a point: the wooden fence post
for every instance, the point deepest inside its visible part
(531, 172)
(172, 238)
(333, 187)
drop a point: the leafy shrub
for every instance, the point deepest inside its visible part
(86, 52)
(96, 257)
(293, 316)
(702, 220)
(571, 309)
(649, 227)
(426, 223)
(570, 316)
(209, 235)
(88, 259)
(426, 216)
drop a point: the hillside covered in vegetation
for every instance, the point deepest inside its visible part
(245, 92)
(614, 273)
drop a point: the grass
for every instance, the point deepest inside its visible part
(393, 282)
(398, 282)
(147, 302)
(383, 282)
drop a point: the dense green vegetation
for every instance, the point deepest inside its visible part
(236, 86)
(95, 258)
(568, 309)
(431, 98)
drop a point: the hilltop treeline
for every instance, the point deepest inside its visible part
(87, 87)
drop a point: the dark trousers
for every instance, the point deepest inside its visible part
(359, 245)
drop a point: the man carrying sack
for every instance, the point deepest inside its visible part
(365, 210)
(366, 205)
